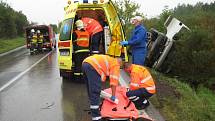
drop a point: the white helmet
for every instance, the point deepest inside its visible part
(79, 24)
(38, 31)
(32, 30)
(138, 18)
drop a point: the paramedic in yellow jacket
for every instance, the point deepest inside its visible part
(142, 85)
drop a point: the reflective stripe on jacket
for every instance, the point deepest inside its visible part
(141, 78)
(82, 38)
(105, 66)
(91, 25)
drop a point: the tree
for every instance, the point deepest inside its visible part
(20, 21)
(11, 22)
(193, 58)
(7, 21)
(126, 10)
(54, 26)
(59, 26)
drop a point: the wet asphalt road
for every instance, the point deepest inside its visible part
(40, 94)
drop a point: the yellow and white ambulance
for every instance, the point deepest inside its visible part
(100, 10)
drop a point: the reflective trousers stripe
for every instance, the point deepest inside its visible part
(96, 118)
(132, 97)
(95, 52)
(94, 106)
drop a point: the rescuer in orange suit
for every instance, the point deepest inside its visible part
(141, 86)
(81, 40)
(96, 68)
(80, 36)
(95, 30)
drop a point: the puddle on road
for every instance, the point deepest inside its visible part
(75, 101)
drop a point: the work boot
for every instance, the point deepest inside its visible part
(144, 105)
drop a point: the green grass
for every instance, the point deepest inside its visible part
(9, 44)
(184, 104)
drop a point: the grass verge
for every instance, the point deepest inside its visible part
(177, 101)
(9, 44)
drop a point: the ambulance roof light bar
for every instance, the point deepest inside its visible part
(88, 1)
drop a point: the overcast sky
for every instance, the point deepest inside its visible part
(51, 11)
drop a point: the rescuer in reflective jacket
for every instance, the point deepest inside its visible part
(95, 30)
(96, 68)
(81, 40)
(141, 87)
(39, 37)
(137, 41)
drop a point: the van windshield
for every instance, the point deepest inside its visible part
(65, 30)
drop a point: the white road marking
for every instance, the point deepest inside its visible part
(21, 74)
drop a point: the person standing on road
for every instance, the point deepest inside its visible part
(138, 41)
(95, 30)
(96, 68)
(141, 87)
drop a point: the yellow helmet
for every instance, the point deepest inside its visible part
(79, 24)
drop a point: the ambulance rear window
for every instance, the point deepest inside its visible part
(65, 31)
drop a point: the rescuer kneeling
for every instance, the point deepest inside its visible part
(141, 87)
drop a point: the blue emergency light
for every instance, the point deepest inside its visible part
(85, 1)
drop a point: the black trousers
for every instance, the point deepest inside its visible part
(95, 40)
(93, 82)
(139, 97)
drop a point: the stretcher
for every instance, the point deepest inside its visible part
(125, 110)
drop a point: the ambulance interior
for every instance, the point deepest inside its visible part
(98, 15)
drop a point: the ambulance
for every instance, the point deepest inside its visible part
(100, 10)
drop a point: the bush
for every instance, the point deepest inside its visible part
(11, 22)
(194, 57)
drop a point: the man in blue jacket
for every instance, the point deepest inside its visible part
(137, 41)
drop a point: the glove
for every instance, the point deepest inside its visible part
(124, 43)
(113, 98)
